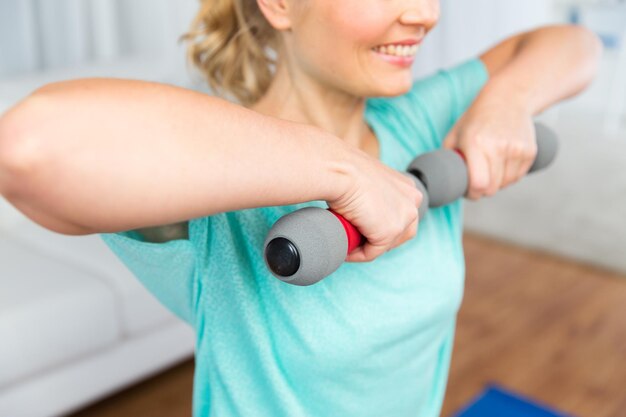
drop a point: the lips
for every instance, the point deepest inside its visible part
(407, 42)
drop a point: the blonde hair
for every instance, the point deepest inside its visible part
(228, 43)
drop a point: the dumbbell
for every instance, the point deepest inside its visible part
(309, 244)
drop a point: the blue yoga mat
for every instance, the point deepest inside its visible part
(497, 402)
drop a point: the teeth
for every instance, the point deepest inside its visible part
(397, 50)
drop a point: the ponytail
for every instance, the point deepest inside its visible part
(229, 42)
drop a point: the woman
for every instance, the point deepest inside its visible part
(184, 187)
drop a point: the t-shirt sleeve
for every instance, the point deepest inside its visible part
(169, 270)
(444, 96)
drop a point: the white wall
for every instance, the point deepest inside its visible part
(43, 34)
(467, 28)
(577, 208)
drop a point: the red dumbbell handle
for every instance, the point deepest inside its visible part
(355, 238)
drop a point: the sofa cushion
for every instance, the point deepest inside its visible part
(10, 217)
(140, 310)
(50, 313)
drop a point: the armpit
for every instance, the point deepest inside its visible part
(161, 234)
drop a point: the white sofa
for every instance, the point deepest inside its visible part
(75, 325)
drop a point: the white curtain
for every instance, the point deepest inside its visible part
(38, 35)
(469, 27)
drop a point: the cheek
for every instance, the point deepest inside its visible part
(338, 38)
(358, 25)
(333, 44)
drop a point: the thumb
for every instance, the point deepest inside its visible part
(365, 253)
(357, 255)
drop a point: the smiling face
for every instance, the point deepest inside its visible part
(362, 47)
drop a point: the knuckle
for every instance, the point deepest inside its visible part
(477, 138)
(502, 147)
(407, 180)
(516, 150)
(491, 191)
(410, 216)
(530, 152)
(398, 229)
(479, 186)
(523, 150)
(417, 196)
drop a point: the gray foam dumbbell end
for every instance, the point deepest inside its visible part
(547, 147)
(320, 239)
(444, 174)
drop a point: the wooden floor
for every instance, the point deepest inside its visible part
(542, 326)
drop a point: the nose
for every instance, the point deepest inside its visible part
(423, 12)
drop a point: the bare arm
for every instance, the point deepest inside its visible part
(544, 66)
(106, 155)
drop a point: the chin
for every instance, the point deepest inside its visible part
(393, 90)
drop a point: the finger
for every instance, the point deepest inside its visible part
(411, 190)
(496, 171)
(479, 173)
(408, 181)
(366, 253)
(409, 233)
(524, 167)
(530, 154)
(511, 172)
(519, 156)
(356, 255)
(373, 251)
(527, 163)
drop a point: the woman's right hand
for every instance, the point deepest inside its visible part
(380, 202)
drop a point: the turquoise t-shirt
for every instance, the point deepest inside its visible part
(371, 340)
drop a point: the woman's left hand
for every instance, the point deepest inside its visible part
(498, 140)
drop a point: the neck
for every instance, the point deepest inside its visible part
(294, 96)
